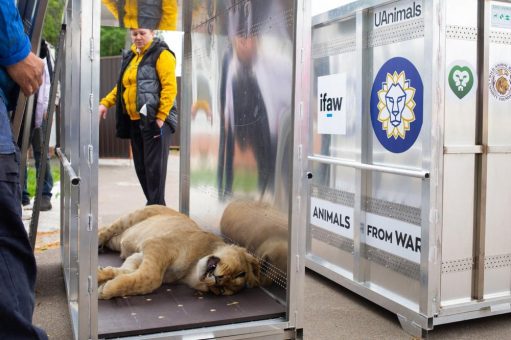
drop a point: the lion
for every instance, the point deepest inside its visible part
(261, 229)
(160, 245)
(502, 85)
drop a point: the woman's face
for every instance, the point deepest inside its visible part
(141, 36)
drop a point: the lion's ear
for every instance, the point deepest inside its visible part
(253, 272)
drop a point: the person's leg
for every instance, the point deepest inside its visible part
(17, 262)
(137, 148)
(37, 147)
(25, 196)
(156, 155)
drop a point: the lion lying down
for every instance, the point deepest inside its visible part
(262, 230)
(161, 245)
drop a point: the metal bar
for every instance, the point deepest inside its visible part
(299, 189)
(432, 157)
(483, 47)
(185, 117)
(46, 140)
(83, 153)
(25, 136)
(471, 306)
(463, 149)
(25, 102)
(25, 110)
(19, 115)
(364, 156)
(74, 179)
(362, 166)
(498, 149)
(89, 249)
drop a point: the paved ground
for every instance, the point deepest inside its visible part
(331, 312)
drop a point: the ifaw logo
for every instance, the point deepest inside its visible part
(396, 105)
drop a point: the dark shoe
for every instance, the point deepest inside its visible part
(45, 204)
(25, 201)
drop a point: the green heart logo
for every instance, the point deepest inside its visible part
(461, 80)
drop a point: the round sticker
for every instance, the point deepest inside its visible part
(397, 105)
(461, 79)
(500, 81)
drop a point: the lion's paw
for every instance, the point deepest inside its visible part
(103, 237)
(105, 274)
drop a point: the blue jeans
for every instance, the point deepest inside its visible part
(6, 141)
(17, 261)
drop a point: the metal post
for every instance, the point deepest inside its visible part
(46, 139)
(185, 116)
(481, 164)
(362, 174)
(299, 192)
(26, 105)
(434, 56)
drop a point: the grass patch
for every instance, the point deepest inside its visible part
(32, 179)
(243, 181)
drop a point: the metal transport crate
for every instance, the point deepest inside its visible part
(243, 131)
(409, 153)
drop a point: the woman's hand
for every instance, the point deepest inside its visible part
(102, 111)
(159, 122)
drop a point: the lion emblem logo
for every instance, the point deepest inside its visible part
(396, 105)
(500, 82)
(461, 80)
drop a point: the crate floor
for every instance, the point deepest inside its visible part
(178, 307)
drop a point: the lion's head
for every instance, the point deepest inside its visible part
(502, 85)
(228, 270)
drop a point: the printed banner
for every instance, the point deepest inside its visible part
(397, 13)
(393, 236)
(334, 217)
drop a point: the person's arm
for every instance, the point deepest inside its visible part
(107, 102)
(111, 5)
(166, 69)
(169, 10)
(24, 67)
(15, 43)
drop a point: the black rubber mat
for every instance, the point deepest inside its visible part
(178, 307)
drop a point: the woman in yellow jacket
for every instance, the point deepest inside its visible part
(145, 112)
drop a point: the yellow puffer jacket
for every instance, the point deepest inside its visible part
(165, 68)
(168, 20)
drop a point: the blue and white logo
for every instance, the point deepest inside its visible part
(331, 104)
(397, 105)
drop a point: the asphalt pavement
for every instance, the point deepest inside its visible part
(330, 311)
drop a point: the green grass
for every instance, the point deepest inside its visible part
(32, 179)
(244, 180)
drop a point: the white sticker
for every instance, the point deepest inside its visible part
(397, 13)
(500, 82)
(393, 236)
(332, 104)
(501, 16)
(334, 217)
